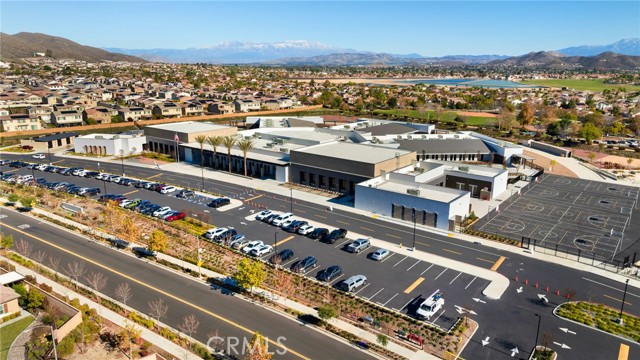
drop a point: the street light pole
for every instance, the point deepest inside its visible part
(291, 199)
(626, 284)
(104, 182)
(414, 230)
(199, 261)
(537, 333)
(122, 160)
(275, 242)
(49, 152)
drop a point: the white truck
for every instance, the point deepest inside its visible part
(431, 305)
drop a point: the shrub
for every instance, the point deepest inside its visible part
(148, 323)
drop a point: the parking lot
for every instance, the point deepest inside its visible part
(397, 282)
(573, 213)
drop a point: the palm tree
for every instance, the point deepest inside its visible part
(200, 139)
(245, 145)
(228, 142)
(215, 141)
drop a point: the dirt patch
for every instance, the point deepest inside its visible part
(97, 352)
(545, 162)
(477, 114)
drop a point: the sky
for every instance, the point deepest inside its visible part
(429, 28)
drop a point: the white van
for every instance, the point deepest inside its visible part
(352, 283)
(281, 218)
(24, 179)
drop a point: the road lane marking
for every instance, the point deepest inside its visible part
(417, 262)
(451, 251)
(427, 269)
(255, 197)
(131, 192)
(371, 297)
(616, 299)
(454, 279)
(385, 304)
(610, 287)
(320, 216)
(623, 354)
(167, 294)
(301, 211)
(394, 236)
(414, 285)
(445, 269)
(498, 263)
(154, 176)
(474, 279)
(364, 228)
(343, 222)
(485, 260)
(284, 240)
(400, 261)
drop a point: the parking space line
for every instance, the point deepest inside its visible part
(623, 354)
(371, 297)
(472, 280)
(616, 299)
(445, 269)
(395, 236)
(414, 285)
(385, 304)
(454, 279)
(362, 289)
(364, 228)
(390, 255)
(284, 240)
(131, 192)
(451, 251)
(289, 262)
(417, 262)
(498, 263)
(485, 260)
(305, 274)
(400, 261)
(434, 320)
(343, 222)
(154, 176)
(342, 244)
(320, 216)
(405, 305)
(255, 197)
(422, 273)
(336, 279)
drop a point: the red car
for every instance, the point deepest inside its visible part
(176, 216)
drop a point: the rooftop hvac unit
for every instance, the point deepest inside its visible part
(284, 150)
(399, 137)
(409, 137)
(99, 137)
(464, 168)
(269, 145)
(415, 192)
(424, 137)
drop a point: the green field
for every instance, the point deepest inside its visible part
(8, 333)
(580, 84)
(447, 117)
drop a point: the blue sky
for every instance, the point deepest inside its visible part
(430, 28)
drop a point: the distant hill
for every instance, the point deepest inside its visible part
(347, 59)
(24, 45)
(554, 60)
(624, 47)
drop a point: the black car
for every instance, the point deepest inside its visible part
(318, 233)
(185, 194)
(294, 226)
(330, 273)
(66, 172)
(150, 209)
(335, 235)
(281, 257)
(90, 192)
(142, 204)
(216, 203)
(91, 174)
(18, 164)
(119, 243)
(144, 252)
(140, 184)
(269, 219)
(304, 264)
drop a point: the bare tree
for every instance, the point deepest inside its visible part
(54, 263)
(75, 270)
(123, 292)
(39, 256)
(23, 247)
(158, 309)
(189, 325)
(97, 280)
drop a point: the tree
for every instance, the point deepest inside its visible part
(158, 309)
(552, 163)
(249, 273)
(35, 299)
(215, 141)
(123, 292)
(590, 132)
(129, 230)
(258, 348)
(327, 312)
(97, 281)
(6, 242)
(13, 198)
(75, 270)
(112, 215)
(23, 248)
(200, 139)
(525, 116)
(228, 142)
(245, 145)
(27, 202)
(392, 103)
(130, 333)
(54, 263)
(39, 256)
(157, 241)
(591, 156)
(189, 325)
(383, 340)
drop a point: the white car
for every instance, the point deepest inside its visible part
(263, 214)
(262, 250)
(76, 172)
(163, 210)
(306, 229)
(212, 233)
(168, 189)
(252, 245)
(431, 305)
(24, 179)
(380, 254)
(38, 156)
(82, 173)
(281, 218)
(102, 176)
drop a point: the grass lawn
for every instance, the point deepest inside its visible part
(8, 333)
(447, 116)
(601, 317)
(580, 84)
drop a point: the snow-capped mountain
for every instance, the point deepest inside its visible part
(624, 47)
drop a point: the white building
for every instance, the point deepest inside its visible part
(110, 144)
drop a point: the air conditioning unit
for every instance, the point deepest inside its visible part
(463, 168)
(284, 150)
(409, 137)
(424, 137)
(415, 192)
(269, 145)
(399, 137)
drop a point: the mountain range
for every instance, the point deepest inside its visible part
(623, 47)
(555, 60)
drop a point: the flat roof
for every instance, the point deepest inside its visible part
(354, 152)
(429, 192)
(54, 137)
(10, 278)
(189, 127)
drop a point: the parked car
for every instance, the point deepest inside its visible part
(294, 226)
(140, 184)
(40, 167)
(352, 283)
(176, 215)
(23, 179)
(160, 212)
(261, 250)
(225, 235)
(281, 257)
(235, 238)
(153, 186)
(185, 194)
(219, 202)
(38, 156)
(379, 254)
(238, 245)
(168, 189)
(318, 233)
(269, 218)
(305, 264)
(252, 245)
(430, 306)
(306, 229)
(141, 204)
(358, 245)
(212, 233)
(334, 236)
(144, 252)
(281, 218)
(263, 214)
(329, 273)
(131, 203)
(66, 172)
(119, 243)
(150, 209)
(91, 174)
(89, 192)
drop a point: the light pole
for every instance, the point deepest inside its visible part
(413, 215)
(626, 284)
(291, 199)
(199, 261)
(104, 182)
(122, 160)
(537, 333)
(49, 153)
(275, 242)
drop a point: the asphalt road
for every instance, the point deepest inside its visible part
(509, 321)
(223, 313)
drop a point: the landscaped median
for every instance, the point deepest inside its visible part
(601, 317)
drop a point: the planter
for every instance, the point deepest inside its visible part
(540, 348)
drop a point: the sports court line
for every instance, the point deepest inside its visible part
(497, 264)
(414, 285)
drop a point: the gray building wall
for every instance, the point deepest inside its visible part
(331, 180)
(452, 183)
